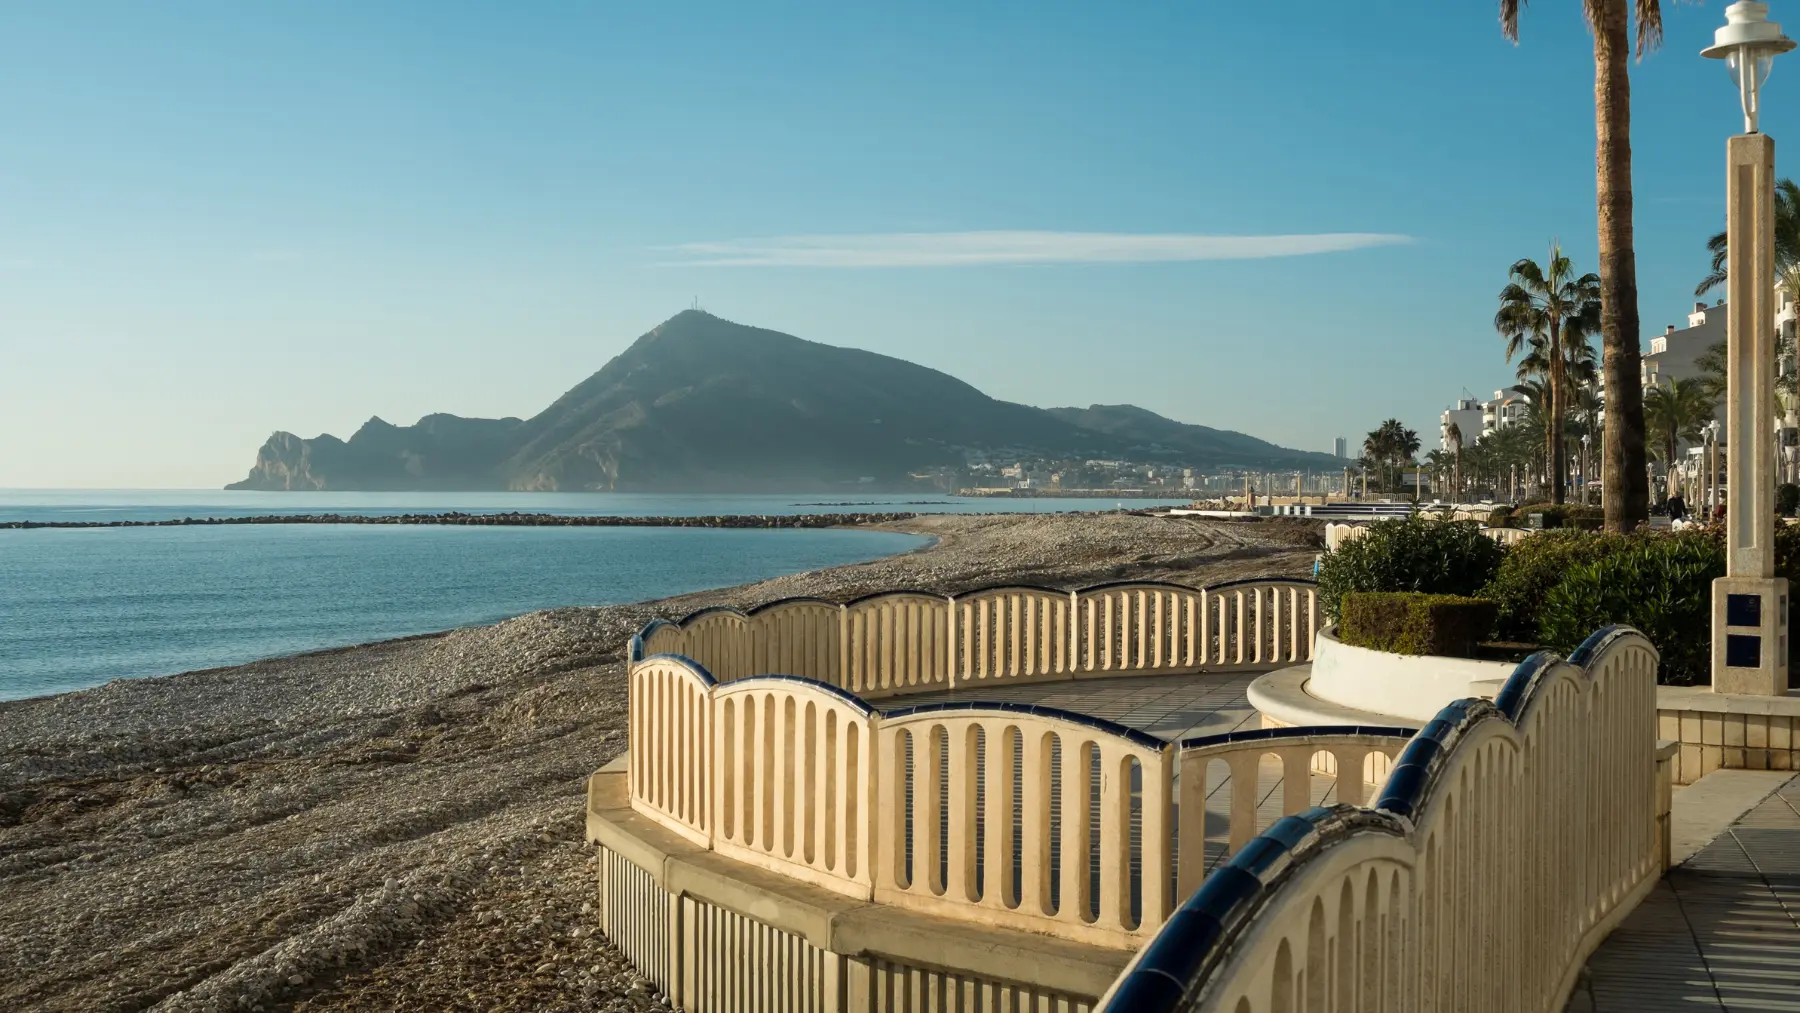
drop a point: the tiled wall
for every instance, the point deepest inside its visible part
(1711, 740)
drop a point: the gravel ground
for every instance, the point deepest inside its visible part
(397, 826)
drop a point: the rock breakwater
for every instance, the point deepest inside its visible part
(521, 520)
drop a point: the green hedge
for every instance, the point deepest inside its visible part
(1534, 565)
(1662, 585)
(1416, 554)
(1412, 623)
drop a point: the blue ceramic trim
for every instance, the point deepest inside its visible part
(1113, 585)
(799, 599)
(707, 611)
(1131, 735)
(1297, 732)
(895, 593)
(850, 699)
(991, 588)
(1521, 685)
(698, 669)
(1598, 641)
(1262, 580)
(1195, 937)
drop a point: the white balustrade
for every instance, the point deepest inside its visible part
(1011, 634)
(1294, 753)
(1507, 841)
(670, 745)
(798, 636)
(910, 642)
(1039, 822)
(898, 642)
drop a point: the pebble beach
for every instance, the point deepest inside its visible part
(398, 826)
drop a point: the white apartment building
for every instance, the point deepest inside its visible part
(1507, 406)
(1466, 417)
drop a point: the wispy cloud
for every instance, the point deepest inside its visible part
(966, 249)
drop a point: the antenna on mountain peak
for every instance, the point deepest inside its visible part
(696, 306)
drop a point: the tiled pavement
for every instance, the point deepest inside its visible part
(1720, 932)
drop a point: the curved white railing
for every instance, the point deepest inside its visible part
(1042, 819)
(1011, 634)
(793, 783)
(1508, 839)
(670, 741)
(903, 642)
(1295, 752)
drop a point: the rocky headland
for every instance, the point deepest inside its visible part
(701, 404)
(398, 826)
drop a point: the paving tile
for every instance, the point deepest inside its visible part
(1720, 932)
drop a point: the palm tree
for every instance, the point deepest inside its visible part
(1676, 412)
(1505, 448)
(1554, 312)
(1787, 238)
(1626, 485)
(1389, 446)
(1453, 438)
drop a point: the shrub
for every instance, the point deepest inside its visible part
(1417, 554)
(1500, 517)
(1661, 585)
(1407, 622)
(1534, 565)
(1787, 499)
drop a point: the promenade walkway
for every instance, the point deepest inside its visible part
(1722, 930)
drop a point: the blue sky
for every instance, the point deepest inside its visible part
(218, 220)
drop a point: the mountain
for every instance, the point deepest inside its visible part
(704, 404)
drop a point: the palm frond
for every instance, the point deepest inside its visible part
(1509, 19)
(1649, 26)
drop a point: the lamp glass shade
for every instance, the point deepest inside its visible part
(1760, 59)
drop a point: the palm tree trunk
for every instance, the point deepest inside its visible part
(1553, 420)
(1626, 490)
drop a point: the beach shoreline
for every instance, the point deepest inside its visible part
(397, 825)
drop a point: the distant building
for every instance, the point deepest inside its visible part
(1341, 447)
(1507, 406)
(1675, 354)
(1466, 416)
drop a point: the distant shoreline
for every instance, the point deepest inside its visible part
(509, 519)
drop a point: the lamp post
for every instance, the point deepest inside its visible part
(1586, 440)
(1749, 606)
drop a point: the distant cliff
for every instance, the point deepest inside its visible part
(703, 404)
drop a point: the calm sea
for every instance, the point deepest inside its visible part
(81, 607)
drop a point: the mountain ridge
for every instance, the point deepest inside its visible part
(701, 404)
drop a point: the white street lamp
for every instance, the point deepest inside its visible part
(1586, 439)
(1749, 603)
(1748, 44)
